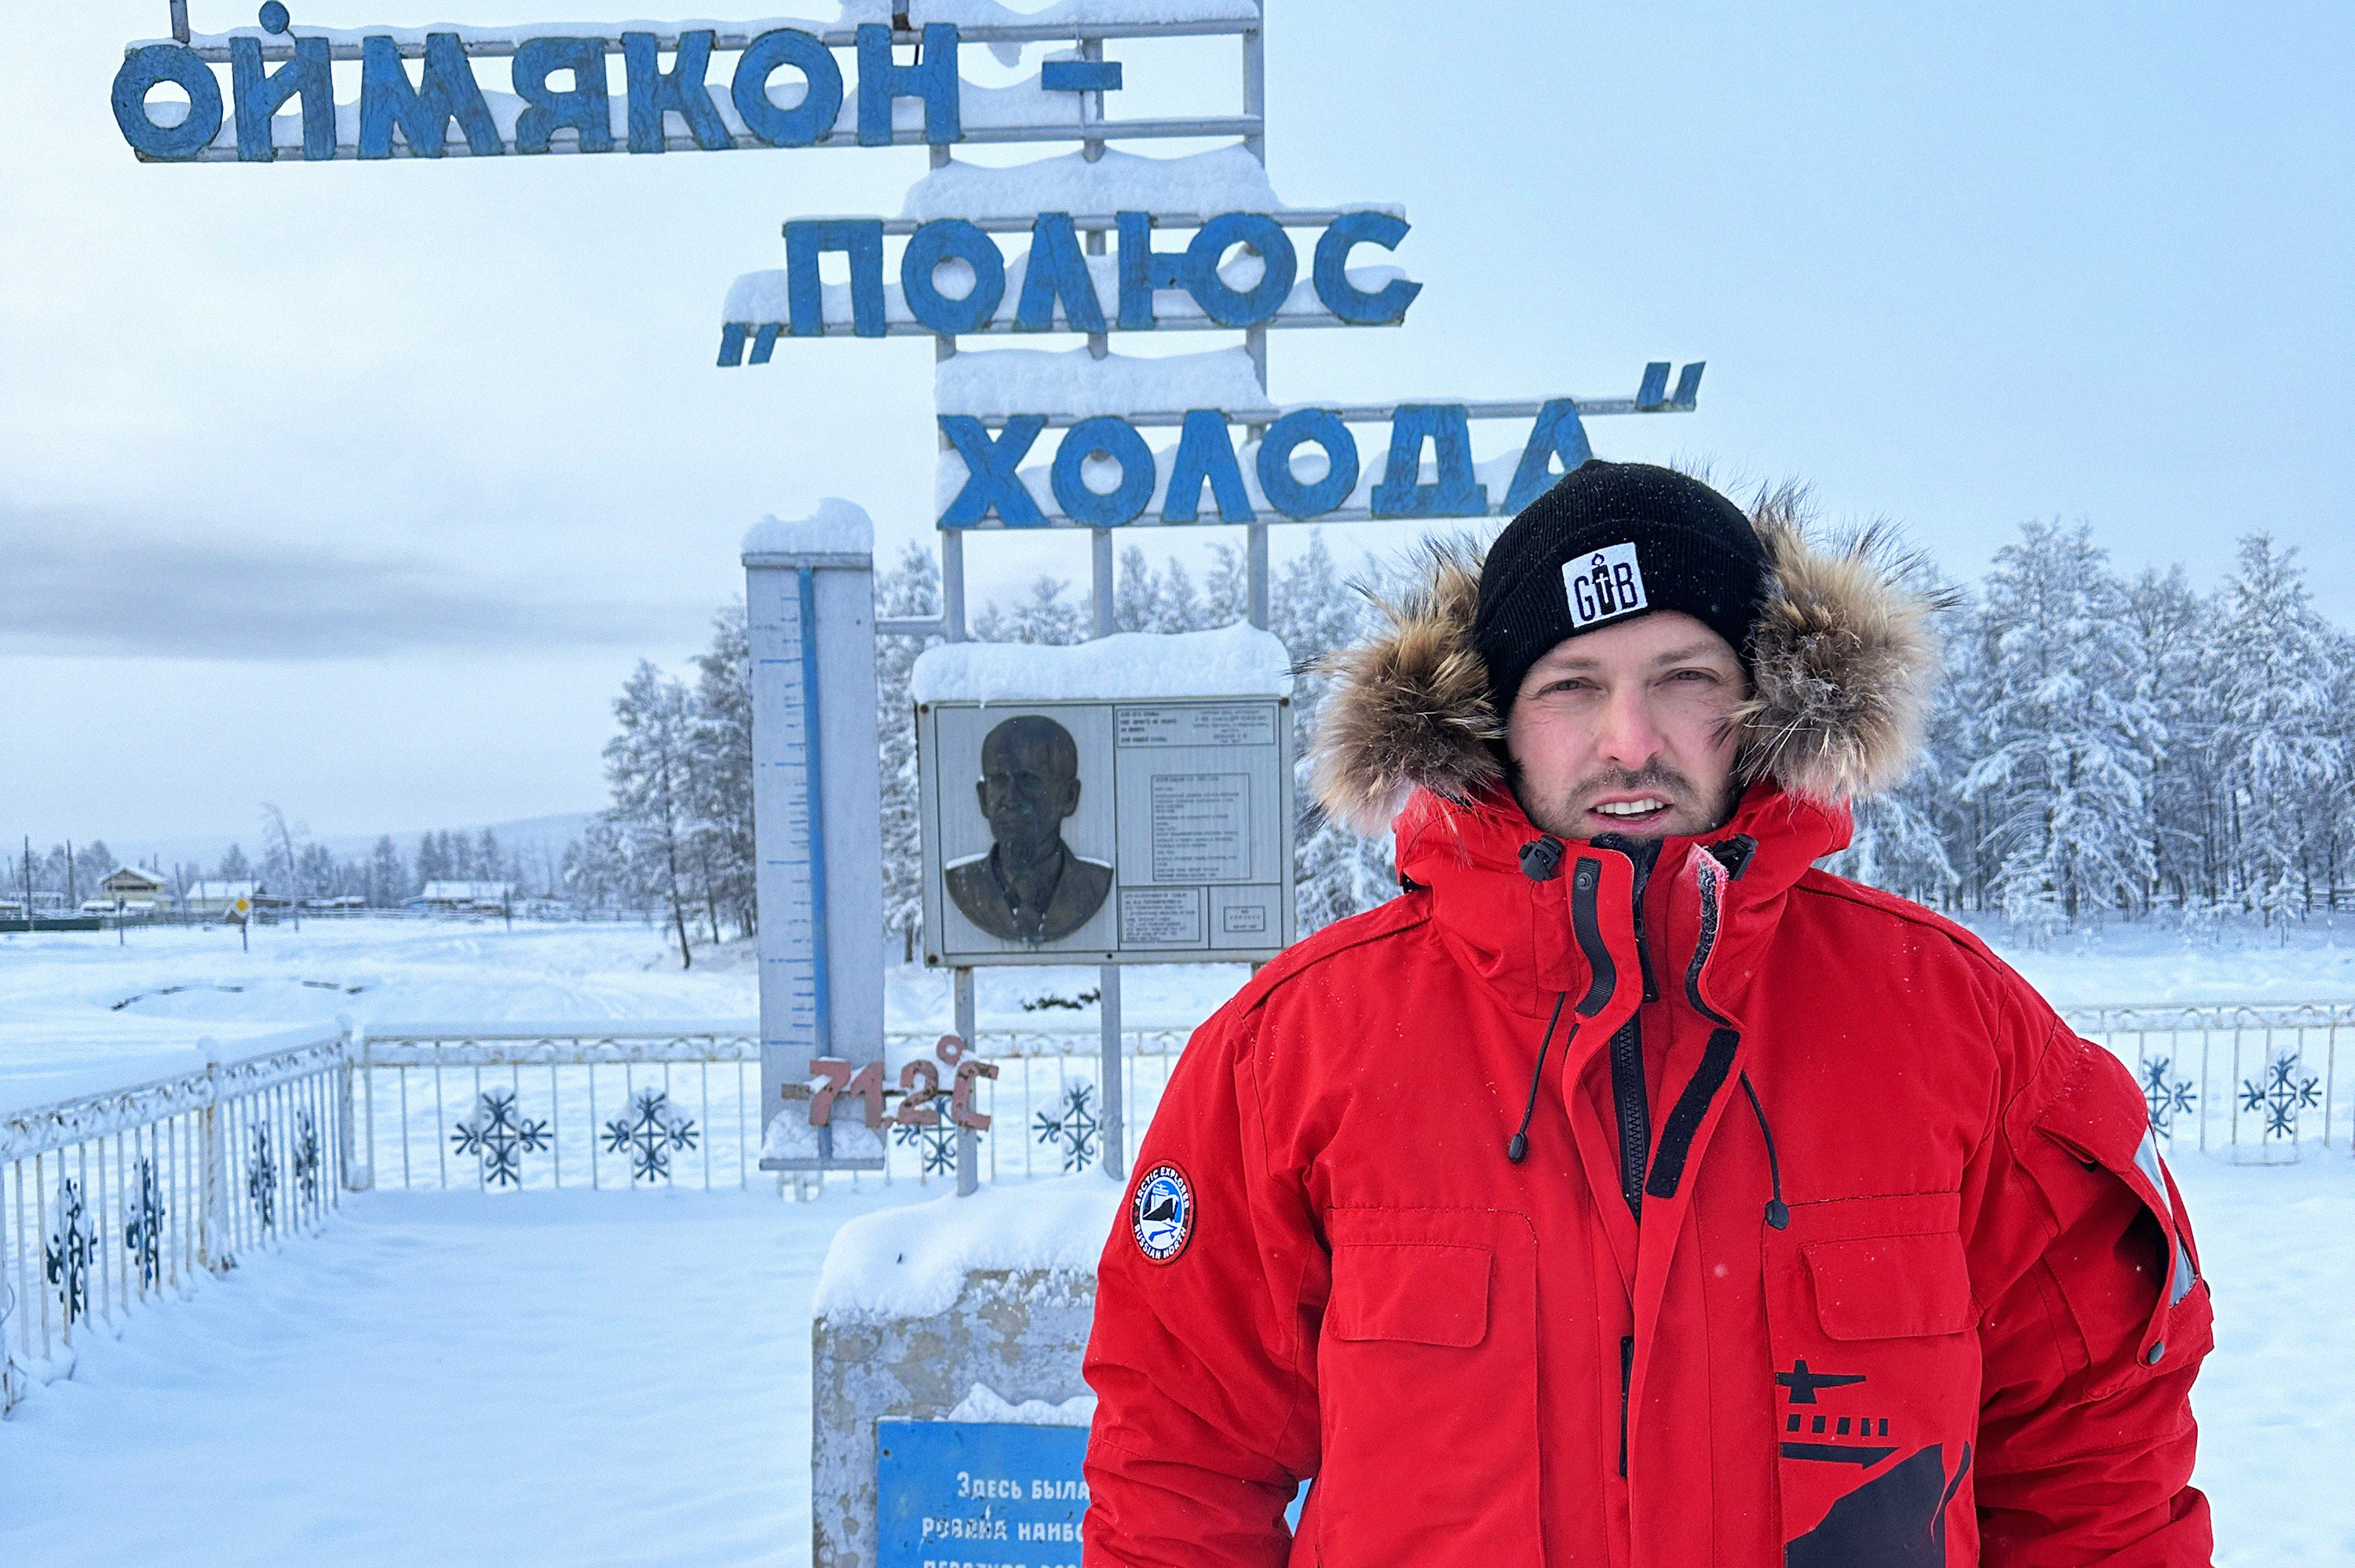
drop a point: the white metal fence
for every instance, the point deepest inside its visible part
(579, 1105)
(2260, 1079)
(120, 1197)
(114, 1198)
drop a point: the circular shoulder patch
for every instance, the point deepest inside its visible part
(1162, 1213)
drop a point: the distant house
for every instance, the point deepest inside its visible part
(220, 897)
(465, 897)
(129, 888)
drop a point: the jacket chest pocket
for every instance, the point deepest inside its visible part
(1415, 1293)
(1427, 1388)
(1871, 1321)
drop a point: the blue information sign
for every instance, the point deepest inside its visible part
(972, 1494)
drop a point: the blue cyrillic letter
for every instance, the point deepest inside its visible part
(680, 89)
(1287, 495)
(940, 240)
(584, 108)
(1457, 493)
(806, 122)
(1142, 270)
(1057, 269)
(259, 97)
(1331, 271)
(994, 477)
(447, 92)
(1559, 432)
(1222, 305)
(166, 62)
(861, 240)
(1205, 450)
(933, 79)
(1117, 440)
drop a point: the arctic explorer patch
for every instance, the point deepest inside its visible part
(1162, 1213)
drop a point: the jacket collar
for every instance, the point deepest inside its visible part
(1521, 937)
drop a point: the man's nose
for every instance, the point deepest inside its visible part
(1629, 733)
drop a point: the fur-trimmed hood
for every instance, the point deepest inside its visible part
(1841, 666)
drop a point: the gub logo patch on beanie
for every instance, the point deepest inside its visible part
(1602, 585)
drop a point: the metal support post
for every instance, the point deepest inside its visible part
(968, 1140)
(1255, 83)
(953, 585)
(1255, 559)
(1099, 545)
(1115, 1154)
(1256, 534)
(212, 1217)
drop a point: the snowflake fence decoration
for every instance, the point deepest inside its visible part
(1073, 1126)
(2167, 1096)
(938, 1141)
(306, 1156)
(499, 1138)
(72, 1247)
(649, 1132)
(262, 1180)
(2281, 1094)
(142, 1223)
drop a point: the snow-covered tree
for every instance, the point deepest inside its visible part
(911, 589)
(2064, 742)
(726, 860)
(649, 766)
(233, 867)
(1046, 616)
(2275, 742)
(388, 877)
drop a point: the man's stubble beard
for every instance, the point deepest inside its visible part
(1688, 812)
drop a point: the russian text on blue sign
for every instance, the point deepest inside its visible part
(1206, 457)
(1056, 282)
(447, 92)
(978, 1492)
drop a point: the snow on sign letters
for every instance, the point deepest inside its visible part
(1110, 818)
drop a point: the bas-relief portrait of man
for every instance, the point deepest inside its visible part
(1030, 886)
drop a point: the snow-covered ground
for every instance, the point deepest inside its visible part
(623, 1378)
(81, 1011)
(611, 1377)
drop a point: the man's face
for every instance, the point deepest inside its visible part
(1027, 788)
(1629, 730)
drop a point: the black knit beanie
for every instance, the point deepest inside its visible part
(1609, 542)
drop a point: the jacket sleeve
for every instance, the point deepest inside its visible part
(1203, 1364)
(2094, 1322)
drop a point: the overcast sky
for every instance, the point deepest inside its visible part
(359, 488)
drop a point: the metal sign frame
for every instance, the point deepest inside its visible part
(1105, 777)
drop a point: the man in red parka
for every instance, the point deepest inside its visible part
(1630, 1192)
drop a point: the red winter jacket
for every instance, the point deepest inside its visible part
(1831, 1244)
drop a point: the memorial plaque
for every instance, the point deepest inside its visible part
(970, 1494)
(1070, 831)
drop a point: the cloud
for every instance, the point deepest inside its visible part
(84, 581)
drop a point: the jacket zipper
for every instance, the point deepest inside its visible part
(1629, 1098)
(1627, 1376)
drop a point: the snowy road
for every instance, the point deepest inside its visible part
(592, 1378)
